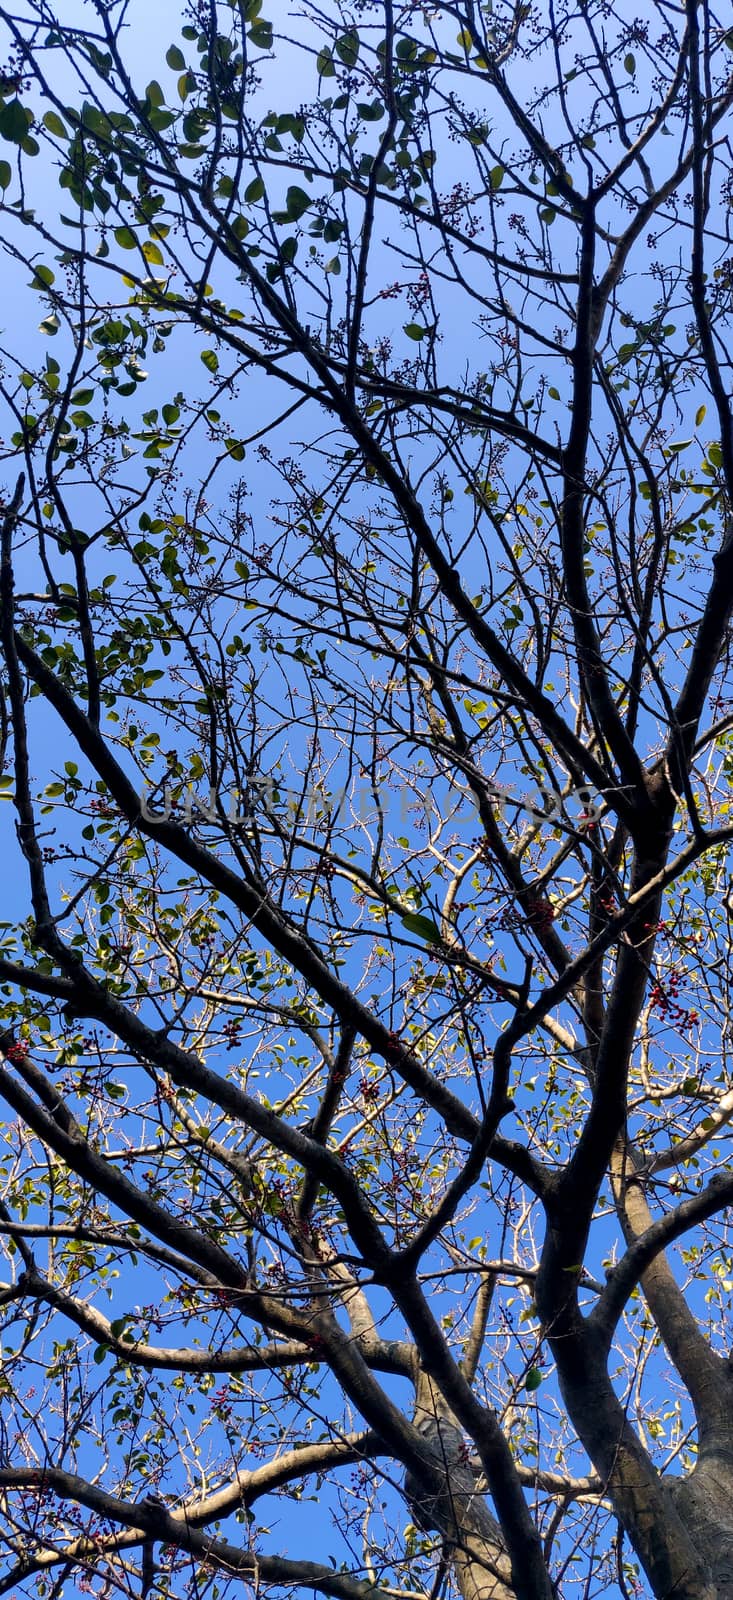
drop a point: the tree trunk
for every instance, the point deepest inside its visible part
(704, 1499)
(473, 1538)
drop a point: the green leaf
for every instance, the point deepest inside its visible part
(297, 202)
(414, 331)
(153, 254)
(496, 177)
(14, 122)
(347, 48)
(254, 191)
(235, 449)
(261, 34)
(324, 63)
(55, 125)
(160, 120)
(43, 277)
(700, 415)
(630, 63)
(533, 1379)
(424, 927)
(126, 239)
(210, 360)
(175, 58)
(372, 111)
(6, 174)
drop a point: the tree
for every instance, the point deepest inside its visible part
(365, 981)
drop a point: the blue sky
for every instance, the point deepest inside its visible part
(308, 1524)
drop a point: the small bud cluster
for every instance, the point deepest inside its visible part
(540, 912)
(18, 1053)
(663, 997)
